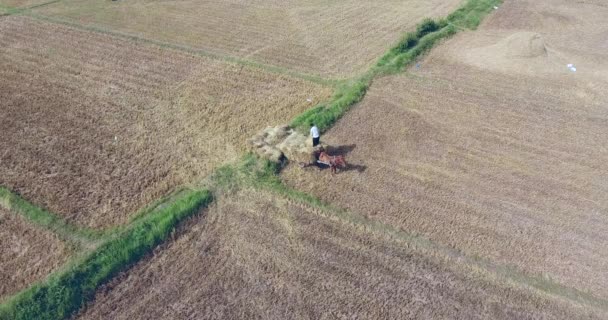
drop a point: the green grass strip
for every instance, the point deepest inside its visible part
(7, 11)
(64, 293)
(46, 219)
(406, 51)
(472, 13)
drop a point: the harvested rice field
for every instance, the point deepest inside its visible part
(310, 36)
(476, 185)
(254, 255)
(97, 130)
(28, 254)
(503, 159)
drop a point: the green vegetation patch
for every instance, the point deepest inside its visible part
(66, 292)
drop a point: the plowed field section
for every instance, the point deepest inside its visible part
(256, 256)
(95, 127)
(27, 254)
(322, 37)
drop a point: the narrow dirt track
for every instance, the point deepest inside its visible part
(28, 253)
(257, 256)
(508, 166)
(97, 130)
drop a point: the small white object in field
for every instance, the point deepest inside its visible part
(570, 65)
(495, 8)
(115, 138)
(573, 69)
(309, 100)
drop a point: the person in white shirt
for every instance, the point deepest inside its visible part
(314, 132)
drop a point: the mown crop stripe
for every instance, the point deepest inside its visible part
(64, 293)
(406, 51)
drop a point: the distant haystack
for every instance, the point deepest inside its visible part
(277, 143)
(513, 53)
(523, 45)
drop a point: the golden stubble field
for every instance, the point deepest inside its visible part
(254, 255)
(95, 127)
(311, 36)
(509, 166)
(28, 253)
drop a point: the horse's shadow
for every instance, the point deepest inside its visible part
(354, 167)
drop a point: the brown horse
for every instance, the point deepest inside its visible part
(332, 161)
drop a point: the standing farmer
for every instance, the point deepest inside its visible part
(314, 132)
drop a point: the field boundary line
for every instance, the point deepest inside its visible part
(66, 291)
(264, 175)
(83, 237)
(41, 4)
(193, 51)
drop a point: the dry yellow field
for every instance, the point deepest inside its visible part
(477, 178)
(95, 131)
(28, 253)
(254, 255)
(503, 158)
(329, 38)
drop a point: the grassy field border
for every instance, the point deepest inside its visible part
(65, 292)
(47, 220)
(414, 44)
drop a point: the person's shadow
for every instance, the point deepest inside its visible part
(344, 151)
